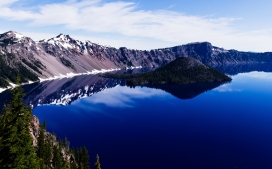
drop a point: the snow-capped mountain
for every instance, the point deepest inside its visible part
(62, 55)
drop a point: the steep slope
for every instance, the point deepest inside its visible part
(63, 54)
(76, 55)
(21, 54)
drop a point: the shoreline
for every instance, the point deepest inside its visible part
(68, 75)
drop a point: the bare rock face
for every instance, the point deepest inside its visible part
(35, 130)
(63, 54)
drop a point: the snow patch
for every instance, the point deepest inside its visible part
(18, 35)
(137, 67)
(2, 89)
(52, 42)
(70, 75)
(66, 45)
(11, 85)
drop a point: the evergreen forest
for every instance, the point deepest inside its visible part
(17, 149)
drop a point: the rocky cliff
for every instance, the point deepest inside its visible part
(63, 54)
(35, 129)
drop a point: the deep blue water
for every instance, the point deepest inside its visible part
(144, 128)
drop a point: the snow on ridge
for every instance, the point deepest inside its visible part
(70, 75)
(2, 89)
(66, 45)
(11, 85)
(64, 41)
(136, 67)
(51, 41)
(18, 35)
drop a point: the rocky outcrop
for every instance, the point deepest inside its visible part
(35, 131)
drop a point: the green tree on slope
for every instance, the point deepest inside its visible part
(16, 149)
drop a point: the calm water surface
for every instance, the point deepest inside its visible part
(145, 128)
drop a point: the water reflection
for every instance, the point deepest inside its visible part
(244, 68)
(124, 96)
(67, 90)
(63, 91)
(186, 91)
(227, 127)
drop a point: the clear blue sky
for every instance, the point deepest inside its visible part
(145, 24)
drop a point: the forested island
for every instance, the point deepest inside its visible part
(183, 70)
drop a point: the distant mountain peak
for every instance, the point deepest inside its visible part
(197, 43)
(63, 40)
(63, 37)
(11, 34)
(67, 42)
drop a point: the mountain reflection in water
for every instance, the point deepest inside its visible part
(234, 69)
(67, 90)
(186, 91)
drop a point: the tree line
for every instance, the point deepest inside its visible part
(16, 144)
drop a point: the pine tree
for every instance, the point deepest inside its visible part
(16, 149)
(85, 158)
(97, 164)
(48, 152)
(41, 144)
(80, 164)
(44, 150)
(44, 124)
(41, 148)
(57, 160)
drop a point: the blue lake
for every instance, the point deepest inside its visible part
(214, 126)
(229, 126)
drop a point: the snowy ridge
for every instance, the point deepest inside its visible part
(16, 35)
(67, 42)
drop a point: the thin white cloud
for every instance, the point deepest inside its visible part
(4, 3)
(171, 6)
(126, 19)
